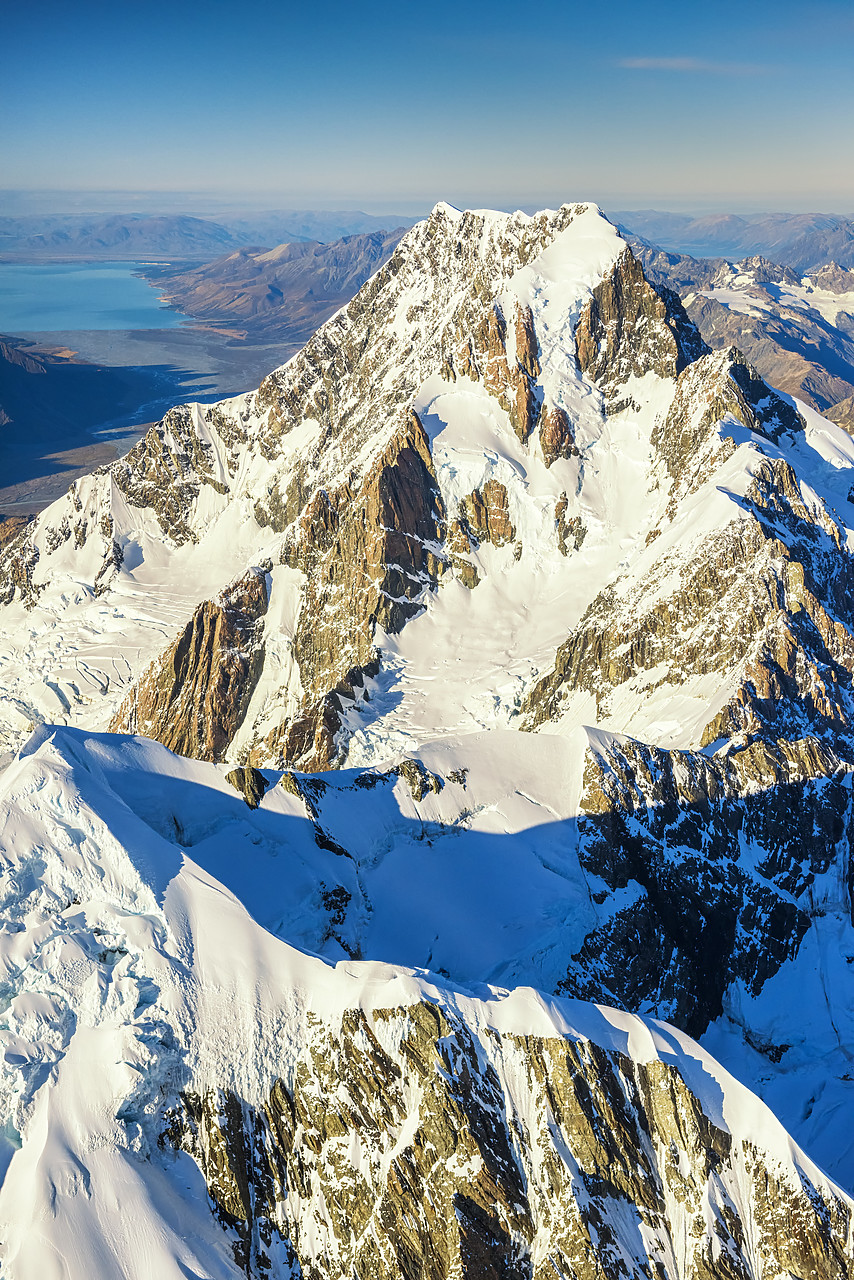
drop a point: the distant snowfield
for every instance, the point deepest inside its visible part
(749, 298)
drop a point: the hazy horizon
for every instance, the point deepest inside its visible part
(81, 203)
(657, 106)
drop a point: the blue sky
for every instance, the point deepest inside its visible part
(745, 105)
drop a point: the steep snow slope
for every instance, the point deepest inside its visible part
(483, 861)
(158, 1045)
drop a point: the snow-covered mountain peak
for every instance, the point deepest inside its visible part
(500, 424)
(484, 311)
(504, 633)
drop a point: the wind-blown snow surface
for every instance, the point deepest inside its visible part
(128, 971)
(480, 882)
(740, 292)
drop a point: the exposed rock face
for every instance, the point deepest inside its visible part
(369, 552)
(570, 532)
(309, 739)
(166, 471)
(495, 1155)
(379, 541)
(766, 565)
(556, 435)
(678, 826)
(20, 557)
(12, 527)
(251, 784)
(195, 697)
(627, 328)
(483, 516)
(711, 389)
(834, 278)
(487, 515)
(419, 779)
(482, 354)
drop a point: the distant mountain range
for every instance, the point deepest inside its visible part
(802, 240)
(797, 331)
(131, 237)
(284, 293)
(323, 225)
(118, 236)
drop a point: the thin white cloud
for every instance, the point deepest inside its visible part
(697, 66)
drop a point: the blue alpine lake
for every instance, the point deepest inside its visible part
(59, 296)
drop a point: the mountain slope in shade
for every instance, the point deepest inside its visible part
(504, 516)
(358, 1119)
(49, 405)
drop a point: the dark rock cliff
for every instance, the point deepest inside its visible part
(194, 698)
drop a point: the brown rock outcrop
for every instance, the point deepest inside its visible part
(630, 328)
(405, 1143)
(527, 347)
(251, 784)
(11, 527)
(557, 438)
(194, 698)
(571, 532)
(481, 354)
(166, 470)
(369, 550)
(785, 557)
(418, 778)
(487, 514)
